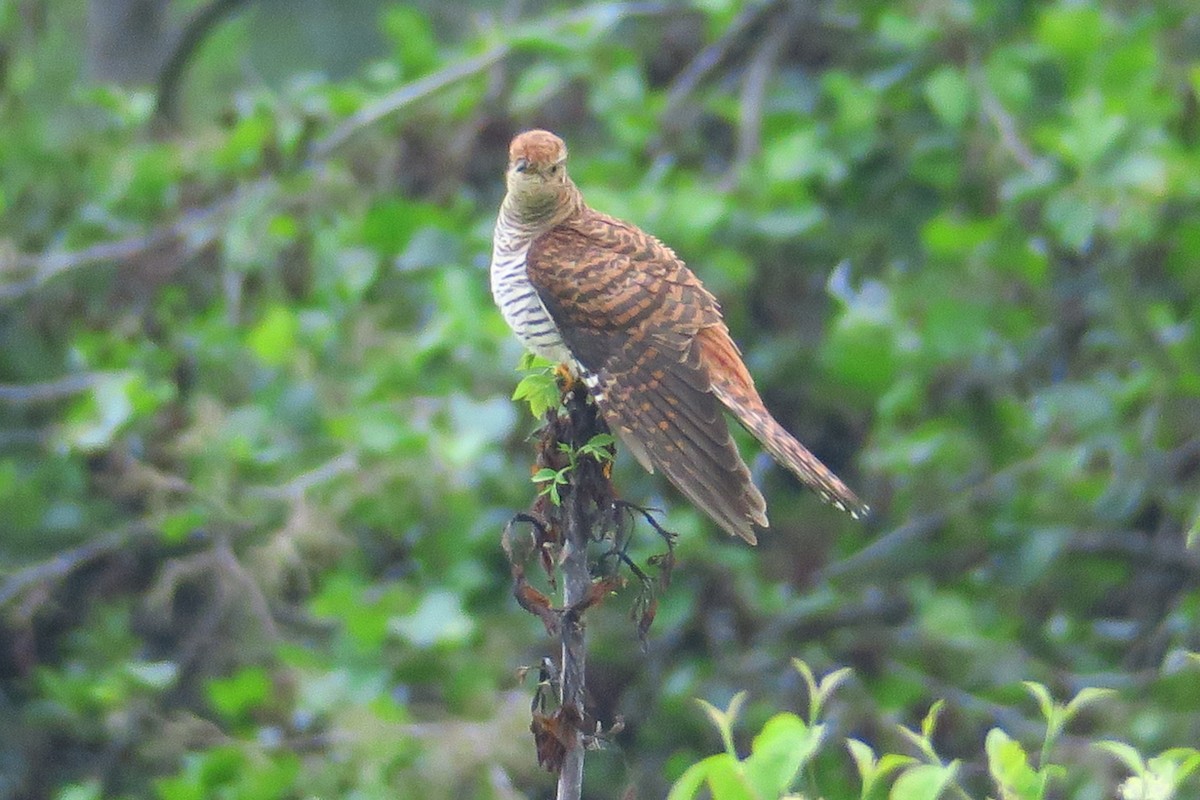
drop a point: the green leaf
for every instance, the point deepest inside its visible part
(530, 361)
(727, 781)
(540, 391)
(723, 720)
(810, 683)
(689, 783)
(949, 95)
(1086, 697)
(873, 772)
(828, 685)
(1045, 702)
(274, 338)
(929, 723)
(1010, 769)
(1185, 759)
(235, 696)
(783, 746)
(1127, 755)
(923, 782)
(864, 760)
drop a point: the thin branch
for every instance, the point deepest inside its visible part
(190, 228)
(299, 485)
(754, 90)
(194, 230)
(405, 96)
(710, 58)
(589, 492)
(194, 32)
(66, 562)
(47, 391)
(577, 580)
(1006, 126)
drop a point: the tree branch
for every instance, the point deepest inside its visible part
(710, 58)
(191, 226)
(589, 491)
(197, 28)
(405, 96)
(194, 229)
(577, 580)
(64, 563)
(48, 391)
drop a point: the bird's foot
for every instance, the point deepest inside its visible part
(566, 378)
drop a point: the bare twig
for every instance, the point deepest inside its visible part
(710, 58)
(1006, 126)
(299, 485)
(66, 562)
(577, 580)
(754, 90)
(589, 492)
(405, 96)
(193, 230)
(47, 391)
(195, 30)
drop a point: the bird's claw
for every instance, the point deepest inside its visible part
(566, 378)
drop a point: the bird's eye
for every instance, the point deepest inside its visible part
(554, 169)
(521, 165)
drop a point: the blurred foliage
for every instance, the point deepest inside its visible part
(257, 446)
(787, 742)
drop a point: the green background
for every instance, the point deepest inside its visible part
(257, 446)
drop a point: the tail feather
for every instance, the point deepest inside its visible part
(733, 386)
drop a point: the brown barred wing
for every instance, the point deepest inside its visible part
(629, 310)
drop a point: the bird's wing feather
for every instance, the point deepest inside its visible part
(629, 311)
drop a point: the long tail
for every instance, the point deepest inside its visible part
(733, 386)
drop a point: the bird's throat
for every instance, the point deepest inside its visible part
(541, 208)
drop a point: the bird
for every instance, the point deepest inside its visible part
(625, 315)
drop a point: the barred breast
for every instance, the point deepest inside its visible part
(518, 300)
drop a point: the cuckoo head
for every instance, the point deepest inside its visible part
(537, 163)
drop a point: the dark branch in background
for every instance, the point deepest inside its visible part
(58, 568)
(709, 59)
(754, 90)
(194, 226)
(194, 32)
